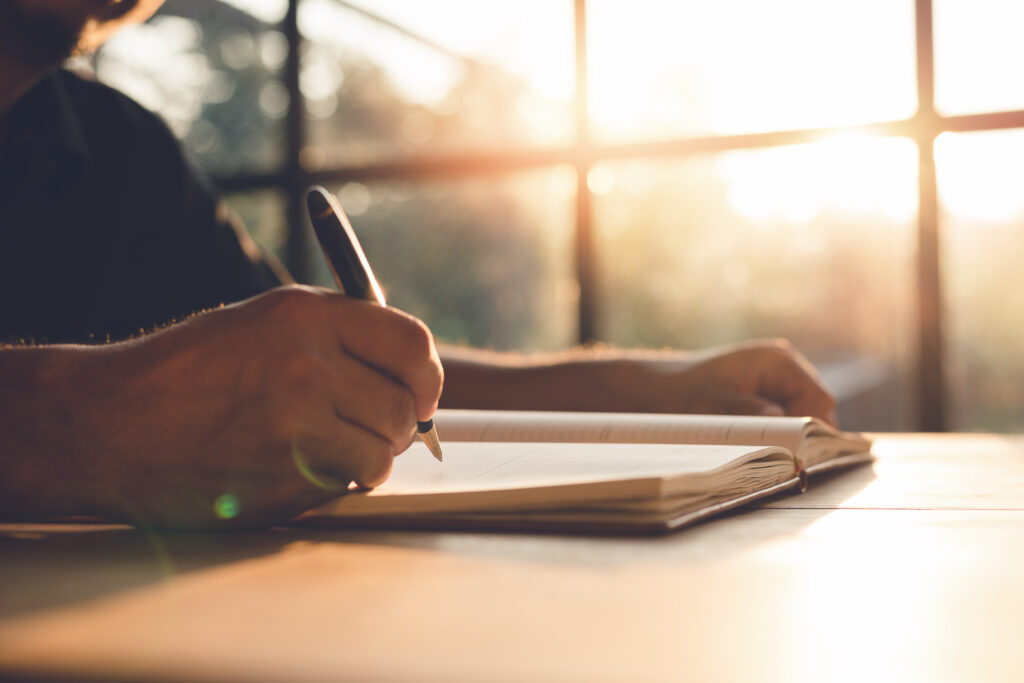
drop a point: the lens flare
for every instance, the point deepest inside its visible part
(226, 506)
(317, 479)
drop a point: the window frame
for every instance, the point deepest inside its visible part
(930, 385)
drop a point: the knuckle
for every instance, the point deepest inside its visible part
(292, 301)
(414, 338)
(432, 381)
(782, 346)
(780, 352)
(417, 345)
(278, 297)
(438, 380)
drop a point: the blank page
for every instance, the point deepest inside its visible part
(490, 476)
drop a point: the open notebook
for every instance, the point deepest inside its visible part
(593, 472)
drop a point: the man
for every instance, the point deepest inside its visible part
(106, 232)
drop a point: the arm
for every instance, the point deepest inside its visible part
(36, 413)
(754, 378)
(268, 401)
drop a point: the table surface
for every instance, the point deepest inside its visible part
(909, 569)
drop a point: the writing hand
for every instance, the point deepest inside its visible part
(276, 402)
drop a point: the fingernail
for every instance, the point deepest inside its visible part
(773, 410)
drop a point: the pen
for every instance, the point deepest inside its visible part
(351, 270)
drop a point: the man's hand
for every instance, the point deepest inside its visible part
(753, 378)
(248, 414)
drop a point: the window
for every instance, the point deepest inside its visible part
(542, 173)
(982, 214)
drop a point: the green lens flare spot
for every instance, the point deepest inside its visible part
(226, 506)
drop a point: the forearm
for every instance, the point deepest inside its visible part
(581, 379)
(41, 476)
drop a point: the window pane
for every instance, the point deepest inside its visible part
(404, 78)
(980, 180)
(212, 70)
(672, 69)
(263, 215)
(485, 262)
(813, 242)
(979, 56)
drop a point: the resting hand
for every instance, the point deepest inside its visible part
(754, 378)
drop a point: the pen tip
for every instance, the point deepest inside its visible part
(429, 436)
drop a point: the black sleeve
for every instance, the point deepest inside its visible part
(174, 247)
(225, 263)
(106, 228)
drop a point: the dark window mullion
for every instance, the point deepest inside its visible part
(932, 402)
(586, 274)
(297, 245)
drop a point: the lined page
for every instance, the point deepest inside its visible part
(502, 425)
(490, 476)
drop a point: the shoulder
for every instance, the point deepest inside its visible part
(114, 123)
(94, 100)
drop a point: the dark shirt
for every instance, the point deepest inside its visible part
(106, 229)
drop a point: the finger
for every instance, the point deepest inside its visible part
(377, 403)
(394, 343)
(790, 380)
(345, 453)
(366, 397)
(739, 404)
(316, 390)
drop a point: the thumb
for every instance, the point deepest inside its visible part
(738, 404)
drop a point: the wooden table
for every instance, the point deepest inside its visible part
(908, 570)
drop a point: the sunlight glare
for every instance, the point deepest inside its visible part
(880, 565)
(531, 42)
(165, 45)
(419, 74)
(601, 179)
(660, 70)
(853, 173)
(979, 56)
(981, 174)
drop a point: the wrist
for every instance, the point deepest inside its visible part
(597, 379)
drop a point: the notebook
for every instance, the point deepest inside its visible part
(593, 472)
